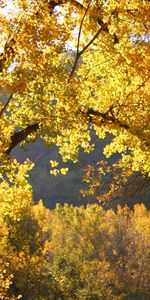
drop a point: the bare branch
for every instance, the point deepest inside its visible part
(138, 87)
(86, 47)
(8, 53)
(5, 105)
(21, 135)
(52, 4)
(104, 27)
(78, 42)
(80, 29)
(109, 118)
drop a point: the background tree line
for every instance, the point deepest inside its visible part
(72, 252)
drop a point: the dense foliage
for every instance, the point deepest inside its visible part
(59, 97)
(68, 67)
(73, 253)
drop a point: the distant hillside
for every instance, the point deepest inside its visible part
(64, 188)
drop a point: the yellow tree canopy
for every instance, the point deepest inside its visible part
(70, 66)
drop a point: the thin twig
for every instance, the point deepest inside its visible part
(5, 106)
(78, 42)
(85, 48)
(138, 87)
(80, 29)
(93, 39)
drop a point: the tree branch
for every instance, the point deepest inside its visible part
(80, 29)
(104, 27)
(106, 117)
(8, 53)
(52, 4)
(86, 47)
(109, 118)
(21, 135)
(78, 42)
(5, 105)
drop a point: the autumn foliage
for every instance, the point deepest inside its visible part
(68, 68)
(74, 253)
(59, 96)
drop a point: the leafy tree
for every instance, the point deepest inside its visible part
(24, 233)
(73, 253)
(59, 96)
(110, 251)
(110, 184)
